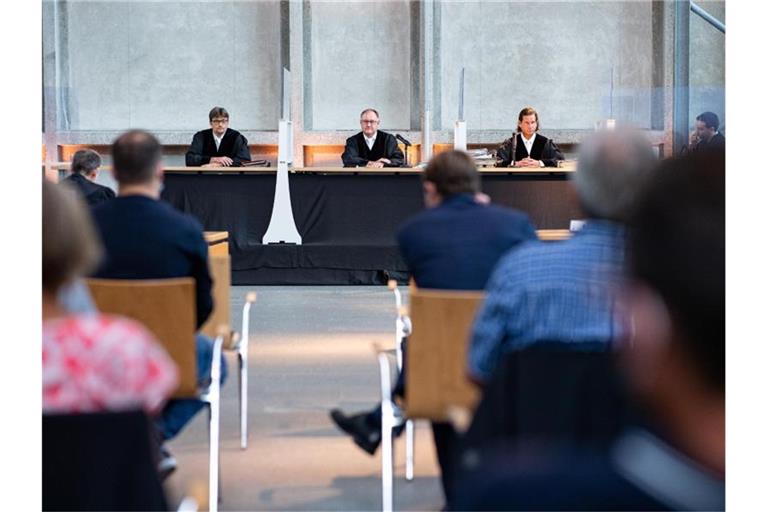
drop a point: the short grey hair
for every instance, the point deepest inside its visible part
(613, 168)
(85, 161)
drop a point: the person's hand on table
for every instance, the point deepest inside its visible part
(223, 161)
(528, 162)
(378, 164)
(384, 160)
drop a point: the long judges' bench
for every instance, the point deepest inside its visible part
(347, 217)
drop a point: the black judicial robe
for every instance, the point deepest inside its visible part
(203, 147)
(543, 149)
(356, 152)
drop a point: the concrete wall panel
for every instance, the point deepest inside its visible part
(555, 56)
(361, 57)
(163, 65)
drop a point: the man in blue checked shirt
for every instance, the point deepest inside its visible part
(566, 291)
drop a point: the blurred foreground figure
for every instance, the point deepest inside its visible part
(675, 365)
(566, 291)
(91, 362)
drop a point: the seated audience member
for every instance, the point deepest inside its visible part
(218, 146)
(91, 362)
(371, 147)
(674, 362)
(706, 136)
(565, 291)
(444, 248)
(145, 238)
(85, 169)
(527, 148)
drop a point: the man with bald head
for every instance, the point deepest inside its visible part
(371, 147)
(566, 291)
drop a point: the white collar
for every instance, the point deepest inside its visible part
(372, 139)
(527, 141)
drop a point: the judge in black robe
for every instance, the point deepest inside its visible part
(544, 152)
(203, 147)
(357, 154)
(233, 144)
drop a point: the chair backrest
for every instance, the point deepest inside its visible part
(100, 461)
(166, 307)
(219, 265)
(436, 366)
(553, 392)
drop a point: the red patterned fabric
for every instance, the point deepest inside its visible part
(101, 362)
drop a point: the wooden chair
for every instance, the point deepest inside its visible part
(435, 375)
(234, 341)
(167, 308)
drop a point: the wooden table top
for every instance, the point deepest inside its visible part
(569, 166)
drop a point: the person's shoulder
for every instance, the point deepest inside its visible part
(355, 137)
(543, 138)
(234, 133)
(203, 133)
(385, 135)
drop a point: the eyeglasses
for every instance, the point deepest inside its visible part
(219, 121)
(369, 121)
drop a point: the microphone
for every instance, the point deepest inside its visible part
(514, 150)
(402, 139)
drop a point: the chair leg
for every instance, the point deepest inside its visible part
(387, 424)
(213, 427)
(409, 449)
(243, 401)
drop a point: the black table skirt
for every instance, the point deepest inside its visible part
(347, 222)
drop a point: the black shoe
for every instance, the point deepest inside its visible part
(167, 464)
(365, 435)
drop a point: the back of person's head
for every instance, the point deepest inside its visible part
(85, 161)
(677, 249)
(613, 166)
(135, 156)
(217, 112)
(70, 247)
(453, 172)
(709, 119)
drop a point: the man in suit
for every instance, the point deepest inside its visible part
(145, 238)
(371, 147)
(674, 363)
(85, 169)
(452, 245)
(218, 146)
(706, 136)
(527, 148)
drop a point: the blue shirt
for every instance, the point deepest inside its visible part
(551, 291)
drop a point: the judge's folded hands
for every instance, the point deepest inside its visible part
(219, 161)
(379, 163)
(528, 162)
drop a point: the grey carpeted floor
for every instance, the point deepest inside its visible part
(310, 351)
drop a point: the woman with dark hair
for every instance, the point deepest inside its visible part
(527, 148)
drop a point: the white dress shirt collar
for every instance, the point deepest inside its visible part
(528, 142)
(217, 140)
(370, 141)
